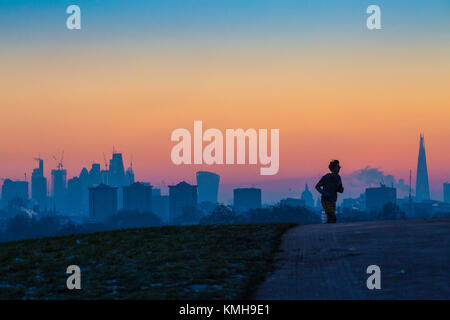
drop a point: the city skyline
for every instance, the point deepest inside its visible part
(117, 176)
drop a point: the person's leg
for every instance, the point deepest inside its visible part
(332, 216)
(330, 210)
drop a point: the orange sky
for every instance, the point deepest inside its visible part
(364, 105)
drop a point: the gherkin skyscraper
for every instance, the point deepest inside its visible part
(422, 187)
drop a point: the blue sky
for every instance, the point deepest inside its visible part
(45, 19)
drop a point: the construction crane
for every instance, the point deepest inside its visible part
(38, 158)
(59, 164)
(106, 162)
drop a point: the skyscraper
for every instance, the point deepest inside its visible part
(105, 177)
(422, 187)
(59, 188)
(129, 175)
(75, 195)
(208, 186)
(39, 186)
(84, 180)
(95, 176)
(116, 171)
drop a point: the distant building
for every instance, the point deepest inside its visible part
(308, 197)
(362, 202)
(245, 199)
(182, 197)
(292, 202)
(102, 202)
(59, 188)
(105, 177)
(376, 198)
(156, 192)
(129, 175)
(86, 183)
(13, 190)
(75, 195)
(160, 206)
(84, 178)
(116, 176)
(447, 192)
(431, 208)
(39, 187)
(422, 187)
(137, 197)
(208, 186)
(95, 175)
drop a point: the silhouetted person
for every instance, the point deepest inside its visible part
(328, 186)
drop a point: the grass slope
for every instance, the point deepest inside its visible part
(189, 262)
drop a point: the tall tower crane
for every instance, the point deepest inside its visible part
(59, 164)
(106, 162)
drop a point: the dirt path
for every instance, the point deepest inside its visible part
(330, 261)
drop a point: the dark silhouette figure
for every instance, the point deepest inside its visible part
(328, 186)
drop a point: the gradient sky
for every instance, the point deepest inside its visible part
(137, 70)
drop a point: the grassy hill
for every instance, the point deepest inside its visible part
(186, 262)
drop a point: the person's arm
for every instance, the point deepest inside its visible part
(340, 186)
(319, 186)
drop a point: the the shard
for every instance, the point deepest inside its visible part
(422, 186)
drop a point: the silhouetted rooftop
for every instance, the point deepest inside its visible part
(183, 184)
(102, 186)
(137, 185)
